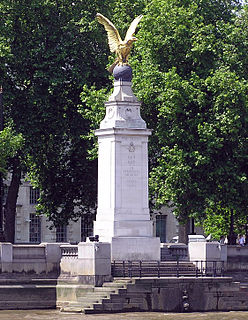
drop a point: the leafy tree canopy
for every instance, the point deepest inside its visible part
(48, 51)
(190, 72)
(10, 144)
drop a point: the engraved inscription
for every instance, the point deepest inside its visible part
(111, 113)
(131, 160)
(131, 172)
(128, 112)
(131, 147)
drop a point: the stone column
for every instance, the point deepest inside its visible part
(123, 217)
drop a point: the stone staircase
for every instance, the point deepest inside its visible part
(164, 295)
(112, 296)
(99, 298)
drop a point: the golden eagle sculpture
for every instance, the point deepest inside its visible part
(116, 44)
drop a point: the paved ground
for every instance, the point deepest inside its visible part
(56, 315)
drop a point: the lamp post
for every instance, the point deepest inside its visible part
(1, 175)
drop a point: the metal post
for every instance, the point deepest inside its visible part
(123, 268)
(215, 268)
(196, 269)
(158, 269)
(1, 175)
(130, 269)
(177, 267)
(222, 268)
(113, 268)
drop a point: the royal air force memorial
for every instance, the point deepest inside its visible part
(123, 217)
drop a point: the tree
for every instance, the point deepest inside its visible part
(192, 78)
(188, 54)
(10, 146)
(48, 52)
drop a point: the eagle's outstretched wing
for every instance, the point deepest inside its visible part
(114, 38)
(132, 28)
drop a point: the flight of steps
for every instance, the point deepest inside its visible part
(95, 301)
(112, 296)
(164, 294)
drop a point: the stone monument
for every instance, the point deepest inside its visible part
(123, 217)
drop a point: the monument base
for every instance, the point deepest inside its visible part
(135, 248)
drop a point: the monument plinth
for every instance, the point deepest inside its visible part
(123, 217)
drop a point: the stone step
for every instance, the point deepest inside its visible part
(121, 281)
(96, 308)
(72, 309)
(105, 289)
(95, 294)
(26, 281)
(114, 285)
(89, 300)
(82, 308)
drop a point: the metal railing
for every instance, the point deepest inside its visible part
(210, 268)
(159, 269)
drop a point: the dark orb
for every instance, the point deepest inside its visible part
(123, 73)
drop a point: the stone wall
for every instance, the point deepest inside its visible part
(30, 259)
(185, 294)
(237, 262)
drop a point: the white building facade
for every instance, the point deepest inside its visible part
(32, 228)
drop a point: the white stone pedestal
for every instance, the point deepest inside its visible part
(207, 251)
(93, 265)
(94, 259)
(123, 216)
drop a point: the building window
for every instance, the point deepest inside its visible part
(34, 228)
(34, 195)
(161, 227)
(61, 233)
(86, 226)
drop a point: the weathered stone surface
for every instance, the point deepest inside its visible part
(169, 295)
(123, 217)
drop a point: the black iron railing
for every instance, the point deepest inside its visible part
(159, 269)
(210, 268)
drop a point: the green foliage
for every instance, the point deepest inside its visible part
(217, 222)
(190, 72)
(48, 52)
(10, 144)
(92, 109)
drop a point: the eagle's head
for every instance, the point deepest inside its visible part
(130, 41)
